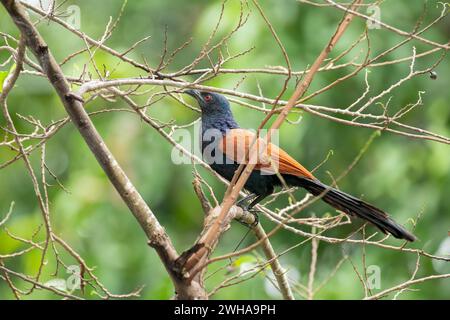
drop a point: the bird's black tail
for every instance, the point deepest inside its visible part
(353, 206)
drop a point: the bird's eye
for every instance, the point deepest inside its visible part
(208, 98)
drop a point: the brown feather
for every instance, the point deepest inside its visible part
(269, 159)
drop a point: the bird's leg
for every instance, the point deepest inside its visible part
(255, 201)
(254, 212)
(244, 205)
(243, 202)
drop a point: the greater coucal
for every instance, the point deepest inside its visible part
(225, 145)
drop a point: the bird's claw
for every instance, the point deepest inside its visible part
(253, 212)
(255, 216)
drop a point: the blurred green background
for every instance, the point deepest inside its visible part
(405, 176)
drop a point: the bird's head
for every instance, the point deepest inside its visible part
(210, 103)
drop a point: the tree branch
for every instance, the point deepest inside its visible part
(233, 190)
(73, 104)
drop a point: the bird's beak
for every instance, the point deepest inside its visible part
(196, 94)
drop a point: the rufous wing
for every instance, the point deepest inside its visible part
(268, 157)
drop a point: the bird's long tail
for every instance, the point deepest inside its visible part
(353, 206)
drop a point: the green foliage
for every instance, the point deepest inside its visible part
(405, 176)
(3, 75)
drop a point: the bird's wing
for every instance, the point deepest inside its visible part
(269, 158)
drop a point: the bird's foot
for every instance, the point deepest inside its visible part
(253, 212)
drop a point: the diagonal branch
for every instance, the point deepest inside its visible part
(389, 27)
(232, 193)
(73, 104)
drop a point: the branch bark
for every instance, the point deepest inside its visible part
(157, 237)
(188, 282)
(232, 193)
(278, 271)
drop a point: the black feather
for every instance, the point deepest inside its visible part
(353, 206)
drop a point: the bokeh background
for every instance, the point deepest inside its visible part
(405, 176)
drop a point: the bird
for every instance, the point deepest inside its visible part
(225, 144)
